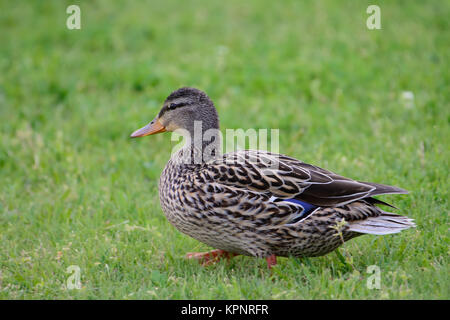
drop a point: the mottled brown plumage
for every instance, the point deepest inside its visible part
(258, 203)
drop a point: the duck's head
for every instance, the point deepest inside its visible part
(181, 109)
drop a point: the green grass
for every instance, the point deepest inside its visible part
(75, 190)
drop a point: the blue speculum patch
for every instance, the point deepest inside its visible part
(307, 208)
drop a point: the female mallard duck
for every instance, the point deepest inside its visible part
(258, 203)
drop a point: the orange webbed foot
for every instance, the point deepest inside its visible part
(271, 261)
(211, 257)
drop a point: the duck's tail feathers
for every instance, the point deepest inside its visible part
(377, 201)
(384, 189)
(386, 223)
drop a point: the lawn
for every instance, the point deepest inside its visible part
(76, 191)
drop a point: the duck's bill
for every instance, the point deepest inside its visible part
(152, 128)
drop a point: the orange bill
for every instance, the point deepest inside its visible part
(152, 128)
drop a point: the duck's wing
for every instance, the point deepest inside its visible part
(288, 178)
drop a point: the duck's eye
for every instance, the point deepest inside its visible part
(175, 105)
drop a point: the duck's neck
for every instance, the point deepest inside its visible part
(203, 143)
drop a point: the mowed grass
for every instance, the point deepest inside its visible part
(75, 190)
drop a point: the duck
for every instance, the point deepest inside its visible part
(255, 202)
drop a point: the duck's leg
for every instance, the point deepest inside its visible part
(271, 261)
(208, 258)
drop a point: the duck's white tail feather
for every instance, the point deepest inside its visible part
(386, 223)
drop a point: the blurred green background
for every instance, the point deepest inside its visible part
(75, 190)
